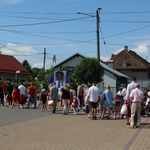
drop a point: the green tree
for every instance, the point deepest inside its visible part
(26, 64)
(35, 73)
(47, 75)
(88, 70)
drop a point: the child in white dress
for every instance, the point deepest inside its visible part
(75, 104)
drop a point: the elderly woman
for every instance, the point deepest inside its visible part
(107, 98)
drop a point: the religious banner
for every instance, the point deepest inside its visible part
(59, 77)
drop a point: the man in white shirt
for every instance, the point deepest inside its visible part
(94, 97)
(136, 96)
(23, 91)
(130, 87)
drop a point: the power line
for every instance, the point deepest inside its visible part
(40, 23)
(128, 12)
(37, 13)
(104, 40)
(72, 41)
(115, 21)
(127, 31)
(62, 13)
(18, 32)
(64, 43)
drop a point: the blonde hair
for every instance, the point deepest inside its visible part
(108, 88)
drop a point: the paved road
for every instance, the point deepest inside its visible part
(23, 129)
(12, 116)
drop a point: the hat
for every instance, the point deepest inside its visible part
(148, 93)
(119, 93)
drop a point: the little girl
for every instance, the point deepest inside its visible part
(15, 97)
(43, 96)
(117, 106)
(75, 104)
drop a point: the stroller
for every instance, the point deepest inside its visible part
(117, 106)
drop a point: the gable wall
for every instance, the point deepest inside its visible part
(142, 77)
(131, 62)
(110, 79)
(71, 63)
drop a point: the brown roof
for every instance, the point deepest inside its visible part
(10, 64)
(135, 55)
(133, 60)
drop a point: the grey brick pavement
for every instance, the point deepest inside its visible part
(35, 130)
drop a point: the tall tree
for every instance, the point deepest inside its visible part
(26, 64)
(88, 70)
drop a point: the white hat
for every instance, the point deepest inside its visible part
(119, 93)
(148, 93)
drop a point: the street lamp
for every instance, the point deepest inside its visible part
(18, 71)
(97, 29)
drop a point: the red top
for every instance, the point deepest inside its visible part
(32, 89)
(16, 95)
(75, 102)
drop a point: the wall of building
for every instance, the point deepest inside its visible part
(110, 79)
(71, 63)
(14, 78)
(142, 77)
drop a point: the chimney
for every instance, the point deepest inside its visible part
(126, 48)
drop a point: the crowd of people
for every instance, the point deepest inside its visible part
(19, 96)
(89, 100)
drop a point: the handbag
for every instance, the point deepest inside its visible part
(50, 102)
(124, 109)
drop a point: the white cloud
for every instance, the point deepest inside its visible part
(13, 49)
(40, 65)
(24, 52)
(6, 2)
(139, 37)
(141, 49)
(103, 58)
(20, 52)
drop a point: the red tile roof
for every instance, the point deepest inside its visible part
(10, 64)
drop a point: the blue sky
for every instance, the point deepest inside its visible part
(29, 26)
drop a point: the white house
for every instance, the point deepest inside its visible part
(111, 77)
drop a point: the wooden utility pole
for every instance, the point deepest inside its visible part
(44, 60)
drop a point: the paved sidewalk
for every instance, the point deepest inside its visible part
(47, 131)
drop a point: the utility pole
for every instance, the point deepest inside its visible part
(44, 61)
(97, 29)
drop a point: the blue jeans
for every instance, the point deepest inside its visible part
(32, 98)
